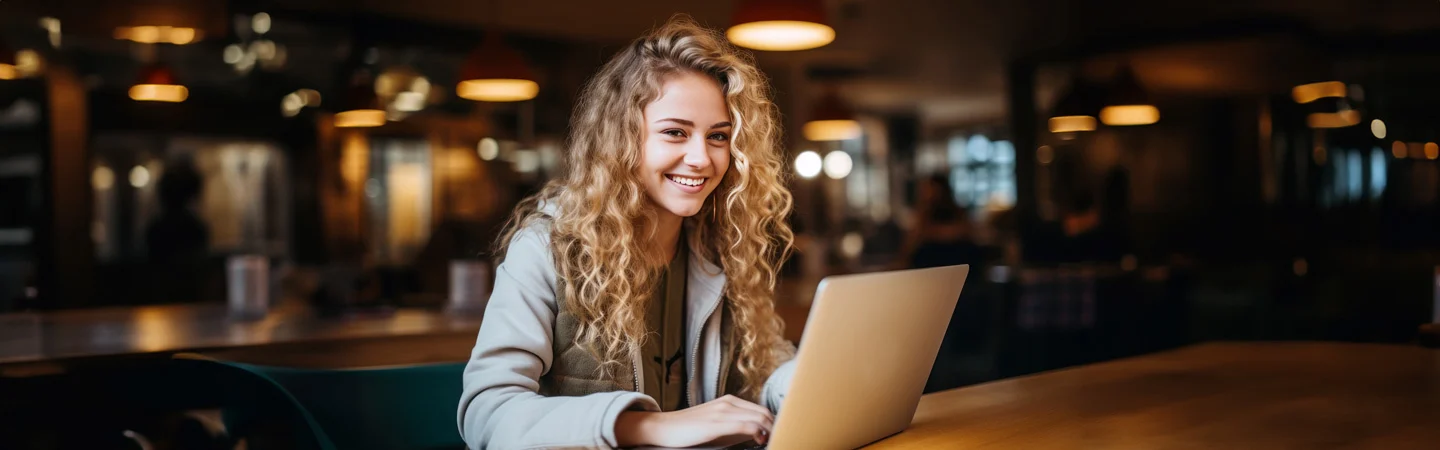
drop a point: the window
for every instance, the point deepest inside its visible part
(398, 198)
(982, 172)
(238, 189)
(1377, 173)
(1350, 177)
(244, 198)
(1355, 175)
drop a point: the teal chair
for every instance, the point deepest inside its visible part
(401, 407)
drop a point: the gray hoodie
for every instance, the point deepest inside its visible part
(527, 386)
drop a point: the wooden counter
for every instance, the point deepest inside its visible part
(1223, 395)
(291, 336)
(112, 332)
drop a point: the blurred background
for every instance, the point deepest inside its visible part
(319, 182)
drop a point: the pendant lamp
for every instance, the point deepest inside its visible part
(1307, 93)
(8, 66)
(360, 107)
(831, 120)
(1074, 111)
(495, 72)
(780, 25)
(157, 83)
(1128, 103)
(1336, 112)
(177, 22)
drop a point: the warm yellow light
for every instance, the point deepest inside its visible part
(837, 164)
(1044, 155)
(488, 149)
(172, 93)
(1398, 149)
(157, 34)
(1340, 119)
(28, 63)
(808, 164)
(51, 26)
(8, 72)
(1432, 150)
(852, 244)
(409, 101)
(1307, 93)
(102, 178)
(360, 118)
(458, 162)
(310, 96)
(406, 188)
(1377, 128)
(291, 104)
(354, 159)
(1067, 124)
(526, 160)
(155, 330)
(1122, 115)
(260, 23)
(781, 35)
(831, 130)
(498, 90)
(139, 177)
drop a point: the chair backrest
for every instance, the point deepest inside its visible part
(405, 407)
(249, 400)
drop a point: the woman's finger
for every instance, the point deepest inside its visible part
(742, 403)
(754, 429)
(765, 423)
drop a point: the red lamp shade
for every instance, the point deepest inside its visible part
(748, 11)
(495, 72)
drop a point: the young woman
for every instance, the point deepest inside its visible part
(634, 302)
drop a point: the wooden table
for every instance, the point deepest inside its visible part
(1222, 395)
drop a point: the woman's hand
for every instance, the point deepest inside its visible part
(726, 417)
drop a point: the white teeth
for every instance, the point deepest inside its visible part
(688, 181)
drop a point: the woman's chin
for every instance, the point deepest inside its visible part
(683, 210)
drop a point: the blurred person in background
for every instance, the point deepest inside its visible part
(665, 233)
(1093, 227)
(178, 240)
(941, 232)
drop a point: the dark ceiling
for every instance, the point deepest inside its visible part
(943, 61)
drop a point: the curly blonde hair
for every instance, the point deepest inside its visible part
(598, 239)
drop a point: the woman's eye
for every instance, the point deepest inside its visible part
(674, 133)
(720, 137)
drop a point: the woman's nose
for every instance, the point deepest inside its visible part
(697, 154)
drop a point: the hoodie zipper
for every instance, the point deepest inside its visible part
(696, 350)
(635, 374)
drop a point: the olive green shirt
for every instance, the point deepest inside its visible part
(664, 348)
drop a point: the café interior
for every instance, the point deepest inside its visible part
(1187, 222)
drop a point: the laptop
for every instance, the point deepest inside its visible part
(866, 353)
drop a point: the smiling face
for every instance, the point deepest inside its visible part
(687, 144)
